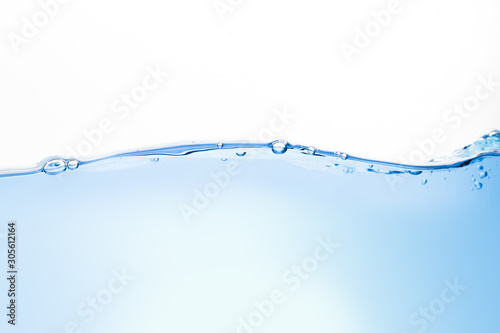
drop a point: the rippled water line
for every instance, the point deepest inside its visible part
(486, 146)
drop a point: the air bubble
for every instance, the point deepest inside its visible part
(483, 174)
(311, 150)
(279, 147)
(223, 159)
(424, 181)
(480, 167)
(73, 164)
(54, 167)
(241, 154)
(341, 155)
(154, 159)
(348, 169)
(478, 185)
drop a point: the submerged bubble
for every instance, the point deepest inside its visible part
(348, 169)
(223, 159)
(279, 146)
(424, 181)
(478, 185)
(241, 154)
(154, 159)
(54, 167)
(483, 174)
(480, 167)
(73, 164)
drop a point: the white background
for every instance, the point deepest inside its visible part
(231, 68)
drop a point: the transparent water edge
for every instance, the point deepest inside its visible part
(486, 146)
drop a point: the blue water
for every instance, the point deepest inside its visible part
(255, 238)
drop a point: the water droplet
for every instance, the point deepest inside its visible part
(424, 181)
(223, 159)
(154, 159)
(311, 150)
(478, 185)
(241, 154)
(73, 164)
(219, 145)
(279, 146)
(483, 174)
(54, 167)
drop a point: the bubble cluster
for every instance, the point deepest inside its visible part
(348, 169)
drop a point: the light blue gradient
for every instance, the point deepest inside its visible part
(399, 243)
